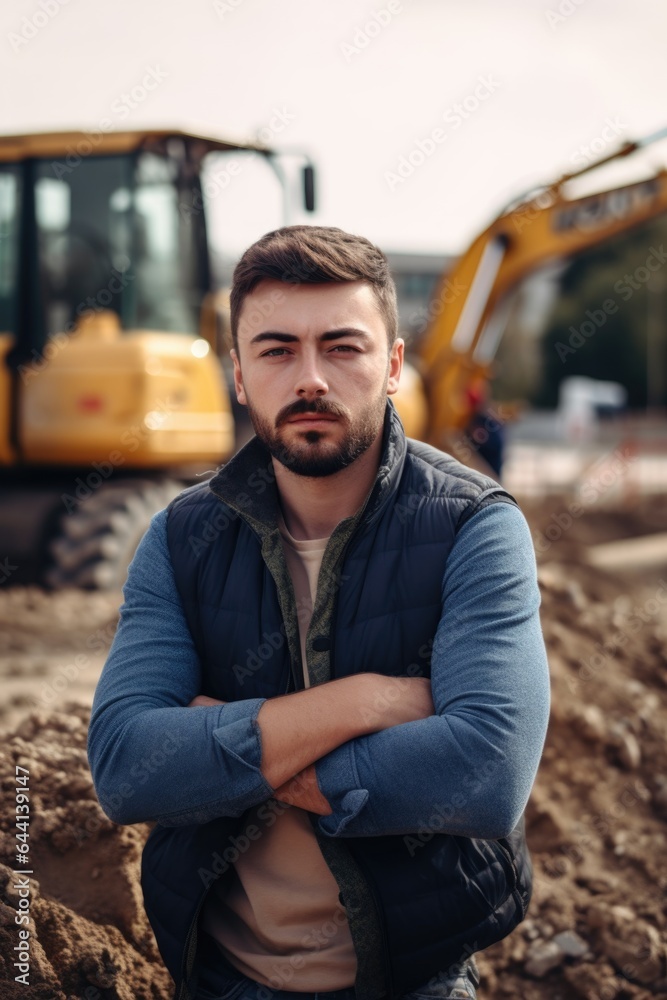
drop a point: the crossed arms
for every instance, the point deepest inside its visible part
(300, 728)
(457, 753)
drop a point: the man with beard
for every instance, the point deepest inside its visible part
(329, 685)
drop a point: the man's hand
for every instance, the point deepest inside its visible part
(303, 791)
(300, 727)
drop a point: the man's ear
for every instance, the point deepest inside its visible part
(395, 365)
(238, 378)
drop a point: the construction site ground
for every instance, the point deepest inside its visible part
(597, 819)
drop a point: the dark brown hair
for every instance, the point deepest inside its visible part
(314, 255)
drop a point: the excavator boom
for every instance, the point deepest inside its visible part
(460, 342)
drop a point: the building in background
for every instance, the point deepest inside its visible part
(416, 276)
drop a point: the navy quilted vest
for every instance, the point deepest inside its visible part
(455, 895)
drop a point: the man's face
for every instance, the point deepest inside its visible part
(314, 370)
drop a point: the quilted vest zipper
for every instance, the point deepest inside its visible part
(189, 953)
(389, 979)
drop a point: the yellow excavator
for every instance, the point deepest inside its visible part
(472, 307)
(112, 392)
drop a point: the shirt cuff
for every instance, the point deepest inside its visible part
(338, 781)
(240, 736)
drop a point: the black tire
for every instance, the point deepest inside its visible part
(94, 544)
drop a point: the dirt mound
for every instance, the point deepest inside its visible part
(89, 937)
(597, 926)
(597, 820)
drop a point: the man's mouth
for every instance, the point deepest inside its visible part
(311, 414)
(312, 418)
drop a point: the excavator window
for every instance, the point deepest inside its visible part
(243, 199)
(111, 232)
(80, 247)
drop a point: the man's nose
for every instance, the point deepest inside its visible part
(310, 380)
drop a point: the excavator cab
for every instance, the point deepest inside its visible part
(83, 234)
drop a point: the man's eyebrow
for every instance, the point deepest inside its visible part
(345, 331)
(287, 338)
(284, 338)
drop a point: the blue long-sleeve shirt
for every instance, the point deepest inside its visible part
(466, 770)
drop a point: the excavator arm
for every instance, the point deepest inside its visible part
(468, 311)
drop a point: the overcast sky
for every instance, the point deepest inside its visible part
(423, 117)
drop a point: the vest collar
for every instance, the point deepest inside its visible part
(247, 483)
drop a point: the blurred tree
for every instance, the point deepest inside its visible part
(598, 326)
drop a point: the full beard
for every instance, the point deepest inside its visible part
(313, 456)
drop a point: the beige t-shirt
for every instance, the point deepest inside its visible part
(278, 918)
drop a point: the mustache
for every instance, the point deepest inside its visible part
(316, 405)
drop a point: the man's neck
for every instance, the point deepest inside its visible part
(313, 506)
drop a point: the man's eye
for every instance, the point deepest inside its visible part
(275, 352)
(344, 347)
